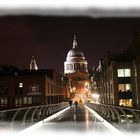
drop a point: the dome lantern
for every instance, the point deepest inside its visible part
(75, 42)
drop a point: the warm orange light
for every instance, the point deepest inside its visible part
(86, 83)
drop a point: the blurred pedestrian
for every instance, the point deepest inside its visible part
(76, 103)
(70, 102)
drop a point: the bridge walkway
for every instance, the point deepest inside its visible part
(72, 122)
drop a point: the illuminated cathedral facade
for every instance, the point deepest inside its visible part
(76, 70)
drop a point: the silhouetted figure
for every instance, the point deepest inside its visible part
(70, 103)
(76, 103)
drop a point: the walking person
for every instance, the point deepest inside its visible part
(76, 103)
(70, 102)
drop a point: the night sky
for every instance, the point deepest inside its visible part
(50, 38)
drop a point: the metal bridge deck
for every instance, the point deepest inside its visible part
(72, 120)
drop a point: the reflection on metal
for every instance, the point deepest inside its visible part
(74, 117)
(30, 114)
(87, 119)
(116, 114)
(106, 123)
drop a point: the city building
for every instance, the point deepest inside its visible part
(22, 88)
(76, 70)
(118, 77)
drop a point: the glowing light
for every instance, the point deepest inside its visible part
(74, 88)
(20, 85)
(86, 83)
(96, 97)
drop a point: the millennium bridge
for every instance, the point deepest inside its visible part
(62, 121)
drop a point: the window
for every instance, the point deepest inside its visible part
(128, 87)
(20, 85)
(3, 89)
(29, 100)
(120, 73)
(127, 72)
(125, 102)
(67, 67)
(124, 87)
(25, 101)
(18, 102)
(34, 88)
(3, 101)
(19, 89)
(70, 67)
(124, 72)
(75, 66)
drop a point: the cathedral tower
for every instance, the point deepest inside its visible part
(33, 65)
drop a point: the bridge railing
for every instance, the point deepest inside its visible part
(24, 117)
(116, 114)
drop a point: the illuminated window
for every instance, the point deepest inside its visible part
(120, 73)
(127, 72)
(34, 88)
(18, 102)
(25, 101)
(19, 89)
(3, 101)
(124, 87)
(125, 102)
(128, 87)
(124, 72)
(29, 100)
(20, 85)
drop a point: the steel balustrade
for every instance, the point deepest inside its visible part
(116, 114)
(30, 114)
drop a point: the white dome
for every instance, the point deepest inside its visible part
(75, 61)
(75, 54)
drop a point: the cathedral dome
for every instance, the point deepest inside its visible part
(75, 61)
(75, 53)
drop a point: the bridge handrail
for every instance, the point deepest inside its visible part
(20, 108)
(36, 113)
(106, 111)
(122, 107)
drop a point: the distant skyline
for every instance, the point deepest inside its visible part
(49, 39)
